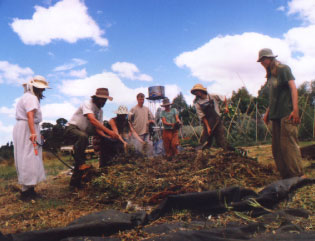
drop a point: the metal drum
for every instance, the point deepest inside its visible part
(156, 93)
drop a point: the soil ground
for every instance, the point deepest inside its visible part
(133, 183)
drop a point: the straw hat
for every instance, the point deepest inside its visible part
(39, 82)
(265, 53)
(166, 102)
(122, 110)
(198, 87)
(103, 93)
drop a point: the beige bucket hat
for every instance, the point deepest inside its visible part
(103, 93)
(265, 53)
(198, 87)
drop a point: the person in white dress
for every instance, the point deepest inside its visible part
(27, 138)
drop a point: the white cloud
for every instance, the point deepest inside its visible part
(281, 8)
(305, 9)
(74, 63)
(227, 68)
(130, 71)
(14, 74)
(86, 87)
(7, 111)
(67, 20)
(55, 111)
(302, 39)
(5, 133)
(78, 73)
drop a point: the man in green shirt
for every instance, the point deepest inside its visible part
(283, 111)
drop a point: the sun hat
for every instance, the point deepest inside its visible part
(122, 110)
(38, 81)
(198, 87)
(166, 102)
(265, 53)
(103, 93)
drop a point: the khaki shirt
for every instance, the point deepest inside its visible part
(140, 119)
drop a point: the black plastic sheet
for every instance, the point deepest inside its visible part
(97, 226)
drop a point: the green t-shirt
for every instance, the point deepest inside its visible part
(280, 101)
(170, 117)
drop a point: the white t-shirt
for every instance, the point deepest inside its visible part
(27, 103)
(80, 119)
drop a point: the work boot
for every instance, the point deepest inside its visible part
(75, 180)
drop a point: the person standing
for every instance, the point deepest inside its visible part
(140, 119)
(171, 124)
(208, 111)
(26, 137)
(283, 111)
(88, 121)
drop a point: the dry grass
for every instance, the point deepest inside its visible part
(138, 183)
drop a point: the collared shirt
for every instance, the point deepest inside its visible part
(80, 119)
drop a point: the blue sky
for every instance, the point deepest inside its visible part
(128, 46)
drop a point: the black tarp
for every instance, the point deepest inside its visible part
(97, 225)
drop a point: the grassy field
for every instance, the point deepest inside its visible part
(61, 204)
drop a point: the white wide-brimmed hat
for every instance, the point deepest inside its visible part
(38, 81)
(122, 110)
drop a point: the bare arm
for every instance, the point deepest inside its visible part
(100, 126)
(266, 116)
(30, 120)
(294, 95)
(205, 121)
(115, 129)
(134, 133)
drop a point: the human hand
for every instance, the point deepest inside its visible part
(209, 131)
(114, 135)
(33, 138)
(294, 116)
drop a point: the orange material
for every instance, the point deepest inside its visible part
(170, 142)
(84, 167)
(35, 148)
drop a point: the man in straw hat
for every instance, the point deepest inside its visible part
(26, 137)
(85, 122)
(171, 125)
(283, 111)
(208, 111)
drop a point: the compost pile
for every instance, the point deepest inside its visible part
(133, 178)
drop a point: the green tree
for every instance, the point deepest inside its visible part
(245, 100)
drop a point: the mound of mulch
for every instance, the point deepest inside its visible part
(135, 179)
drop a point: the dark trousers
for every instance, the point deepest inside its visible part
(109, 148)
(218, 133)
(80, 140)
